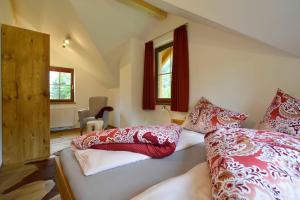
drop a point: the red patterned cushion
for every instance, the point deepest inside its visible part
(206, 117)
(283, 115)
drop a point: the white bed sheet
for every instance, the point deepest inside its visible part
(94, 161)
(193, 185)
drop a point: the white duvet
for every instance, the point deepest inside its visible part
(94, 161)
(193, 185)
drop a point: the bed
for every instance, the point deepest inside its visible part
(262, 163)
(126, 181)
(242, 164)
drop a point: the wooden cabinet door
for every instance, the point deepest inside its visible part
(25, 90)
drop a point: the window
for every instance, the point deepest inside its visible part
(163, 62)
(61, 84)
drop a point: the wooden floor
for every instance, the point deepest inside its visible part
(35, 181)
(62, 139)
(29, 182)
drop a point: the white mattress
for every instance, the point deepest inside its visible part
(125, 182)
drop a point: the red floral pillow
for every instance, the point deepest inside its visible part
(283, 115)
(206, 117)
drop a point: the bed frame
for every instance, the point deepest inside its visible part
(62, 182)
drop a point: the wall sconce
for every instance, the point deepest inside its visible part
(66, 42)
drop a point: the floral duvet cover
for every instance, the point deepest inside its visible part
(253, 164)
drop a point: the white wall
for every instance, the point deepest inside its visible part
(87, 83)
(127, 114)
(131, 84)
(117, 23)
(131, 80)
(114, 101)
(271, 21)
(6, 14)
(238, 73)
(6, 17)
(92, 74)
(129, 111)
(231, 70)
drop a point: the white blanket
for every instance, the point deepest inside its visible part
(193, 185)
(93, 161)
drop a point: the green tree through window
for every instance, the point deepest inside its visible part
(61, 84)
(163, 62)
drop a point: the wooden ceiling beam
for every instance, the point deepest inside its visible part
(147, 7)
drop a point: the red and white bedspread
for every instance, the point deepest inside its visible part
(93, 161)
(251, 164)
(243, 164)
(154, 141)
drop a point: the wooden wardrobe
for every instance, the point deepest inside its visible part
(25, 95)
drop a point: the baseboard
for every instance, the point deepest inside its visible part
(111, 126)
(62, 129)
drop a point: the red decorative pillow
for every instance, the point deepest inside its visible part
(206, 117)
(283, 115)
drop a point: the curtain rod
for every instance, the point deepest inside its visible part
(167, 32)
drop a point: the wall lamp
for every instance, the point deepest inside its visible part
(66, 42)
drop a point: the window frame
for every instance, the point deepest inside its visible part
(65, 70)
(161, 101)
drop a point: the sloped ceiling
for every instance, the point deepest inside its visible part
(98, 27)
(273, 22)
(101, 27)
(111, 23)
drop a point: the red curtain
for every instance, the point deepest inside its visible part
(180, 71)
(149, 78)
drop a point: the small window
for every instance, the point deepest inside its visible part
(61, 84)
(163, 62)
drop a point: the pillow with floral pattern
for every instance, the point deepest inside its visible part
(206, 117)
(283, 115)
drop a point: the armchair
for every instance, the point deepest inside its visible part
(95, 105)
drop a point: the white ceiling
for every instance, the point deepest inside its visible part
(98, 27)
(111, 23)
(273, 22)
(101, 27)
